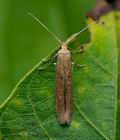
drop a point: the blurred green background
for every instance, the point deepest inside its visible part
(23, 42)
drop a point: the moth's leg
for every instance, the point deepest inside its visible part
(80, 49)
(79, 65)
(75, 64)
(46, 65)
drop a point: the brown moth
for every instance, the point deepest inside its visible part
(63, 87)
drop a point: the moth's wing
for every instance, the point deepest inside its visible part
(60, 108)
(68, 90)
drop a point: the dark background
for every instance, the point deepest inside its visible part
(23, 42)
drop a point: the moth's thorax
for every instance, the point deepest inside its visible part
(63, 51)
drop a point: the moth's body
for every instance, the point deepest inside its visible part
(63, 86)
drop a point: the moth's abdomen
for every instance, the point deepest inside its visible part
(63, 87)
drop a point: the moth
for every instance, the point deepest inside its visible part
(63, 86)
(63, 83)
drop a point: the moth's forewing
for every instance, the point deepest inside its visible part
(68, 88)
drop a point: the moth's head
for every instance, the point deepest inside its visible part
(64, 46)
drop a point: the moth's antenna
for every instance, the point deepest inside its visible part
(46, 28)
(72, 37)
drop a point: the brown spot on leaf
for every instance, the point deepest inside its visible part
(117, 17)
(102, 22)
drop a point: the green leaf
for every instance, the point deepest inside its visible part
(29, 112)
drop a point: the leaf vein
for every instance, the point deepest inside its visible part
(90, 123)
(34, 110)
(104, 68)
